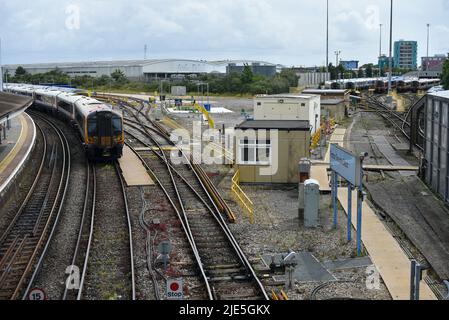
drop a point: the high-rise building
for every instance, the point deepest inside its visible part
(406, 54)
(383, 63)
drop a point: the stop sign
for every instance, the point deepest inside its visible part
(175, 289)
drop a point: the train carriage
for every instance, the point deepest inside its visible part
(100, 127)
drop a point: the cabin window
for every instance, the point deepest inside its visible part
(255, 152)
(116, 126)
(65, 106)
(92, 126)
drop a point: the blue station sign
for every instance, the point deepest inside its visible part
(346, 164)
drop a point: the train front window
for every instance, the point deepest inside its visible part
(116, 126)
(92, 126)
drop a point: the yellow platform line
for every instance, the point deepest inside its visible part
(12, 154)
(385, 252)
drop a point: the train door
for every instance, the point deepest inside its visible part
(105, 128)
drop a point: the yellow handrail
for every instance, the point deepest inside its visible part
(244, 200)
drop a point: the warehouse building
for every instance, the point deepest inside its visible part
(334, 103)
(304, 107)
(258, 68)
(436, 154)
(269, 147)
(140, 70)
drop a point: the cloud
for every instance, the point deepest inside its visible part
(284, 31)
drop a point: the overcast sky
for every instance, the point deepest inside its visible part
(289, 32)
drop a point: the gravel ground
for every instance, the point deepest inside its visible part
(277, 228)
(108, 272)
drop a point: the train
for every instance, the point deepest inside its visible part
(380, 85)
(99, 126)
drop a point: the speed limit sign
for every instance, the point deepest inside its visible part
(37, 294)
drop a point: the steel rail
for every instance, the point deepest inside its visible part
(218, 216)
(130, 234)
(61, 194)
(83, 218)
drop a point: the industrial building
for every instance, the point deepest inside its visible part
(295, 118)
(406, 54)
(334, 103)
(142, 70)
(312, 79)
(258, 68)
(256, 153)
(436, 152)
(434, 63)
(302, 107)
(383, 62)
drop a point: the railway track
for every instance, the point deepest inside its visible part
(104, 247)
(24, 243)
(399, 120)
(225, 270)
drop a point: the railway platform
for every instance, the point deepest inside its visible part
(133, 170)
(16, 149)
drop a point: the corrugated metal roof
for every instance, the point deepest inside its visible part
(300, 125)
(287, 96)
(128, 63)
(441, 94)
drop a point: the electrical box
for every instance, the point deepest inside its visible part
(311, 203)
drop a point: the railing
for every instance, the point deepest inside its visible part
(242, 198)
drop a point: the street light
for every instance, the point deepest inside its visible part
(1, 67)
(380, 49)
(327, 36)
(380, 41)
(337, 54)
(428, 40)
(390, 62)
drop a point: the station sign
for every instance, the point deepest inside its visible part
(346, 164)
(175, 289)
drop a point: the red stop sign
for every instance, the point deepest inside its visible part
(174, 286)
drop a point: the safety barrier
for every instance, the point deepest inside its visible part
(281, 296)
(242, 198)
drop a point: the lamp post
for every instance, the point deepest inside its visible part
(327, 35)
(390, 62)
(428, 41)
(380, 49)
(337, 55)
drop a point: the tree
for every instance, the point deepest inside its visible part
(369, 71)
(291, 76)
(332, 71)
(20, 71)
(360, 73)
(119, 76)
(247, 75)
(445, 75)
